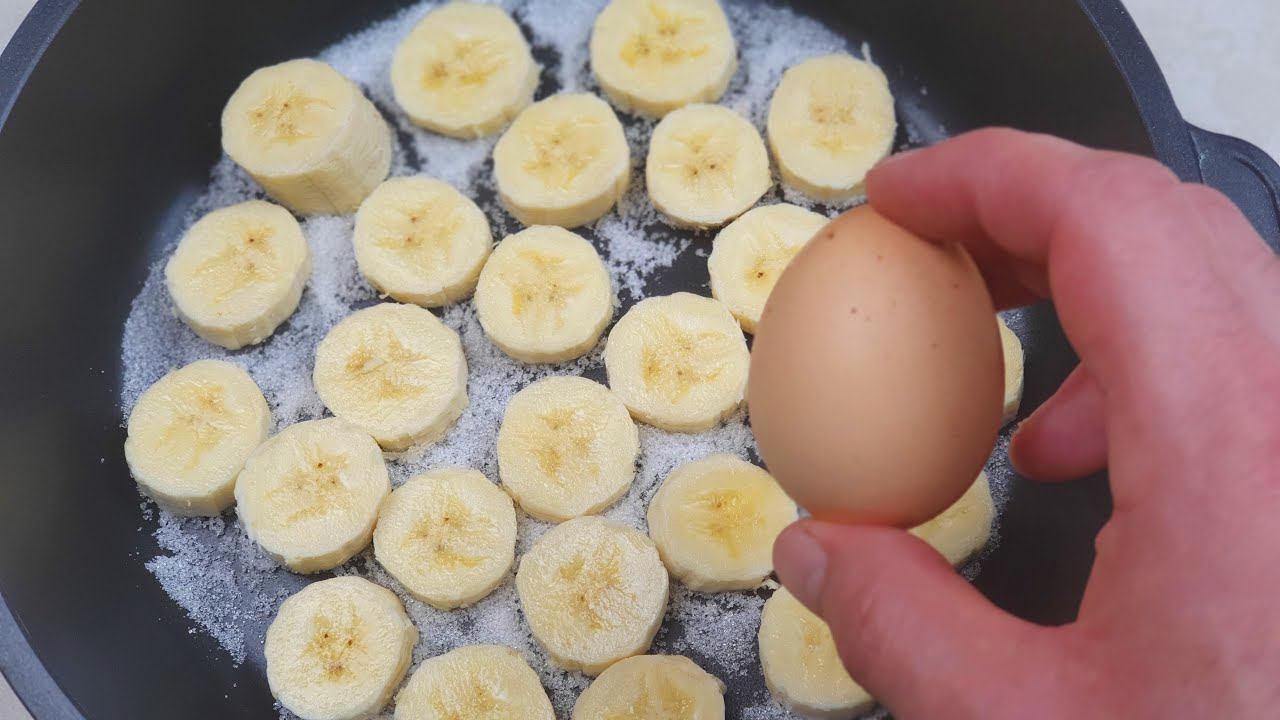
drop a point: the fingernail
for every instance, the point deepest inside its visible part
(801, 564)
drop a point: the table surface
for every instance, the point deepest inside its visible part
(1219, 57)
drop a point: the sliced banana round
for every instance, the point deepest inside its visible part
(338, 648)
(593, 592)
(190, 434)
(420, 241)
(679, 362)
(238, 273)
(448, 536)
(567, 447)
(544, 295)
(652, 686)
(464, 70)
(652, 56)
(1013, 371)
(310, 495)
(831, 119)
(963, 529)
(395, 371)
(750, 254)
(564, 161)
(484, 682)
(308, 135)
(714, 521)
(706, 166)
(801, 665)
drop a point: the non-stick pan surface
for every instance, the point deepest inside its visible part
(110, 132)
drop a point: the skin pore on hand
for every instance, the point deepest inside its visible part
(1172, 302)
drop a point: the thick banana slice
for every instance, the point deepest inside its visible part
(395, 371)
(1013, 371)
(476, 682)
(647, 687)
(464, 70)
(748, 256)
(544, 295)
(190, 434)
(567, 447)
(564, 161)
(801, 665)
(307, 135)
(963, 529)
(448, 536)
(421, 241)
(679, 362)
(706, 165)
(238, 273)
(338, 648)
(714, 521)
(593, 592)
(310, 495)
(652, 56)
(831, 119)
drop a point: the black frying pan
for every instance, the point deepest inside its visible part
(110, 115)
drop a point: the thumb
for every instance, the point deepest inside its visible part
(915, 634)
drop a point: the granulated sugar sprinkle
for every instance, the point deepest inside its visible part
(231, 590)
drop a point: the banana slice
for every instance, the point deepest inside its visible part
(679, 362)
(707, 165)
(801, 665)
(748, 256)
(652, 56)
(308, 135)
(714, 521)
(567, 447)
(395, 371)
(1013, 371)
(652, 686)
(464, 70)
(564, 161)
(338, 648)
(190, 434)
(831, 119)
(310, 495)
(448, 536)
(238, 273)
(544, 296)
(480, 682)
(420, 241)
(594, 592)
(963, 529)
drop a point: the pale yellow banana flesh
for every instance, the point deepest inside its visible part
(653, 56)
(395, 371)
(464, 70)
(749, 255)
(963, 529)
(593, 592)
(707, 165)
(190, 434)
(652, 686)
(544, 295)
(679, 362)
(338, 649)
(238, 273)
(310, 495)
(488, 682)
(1014, 372)
(567, 447)
(308, 135)
(714, 521)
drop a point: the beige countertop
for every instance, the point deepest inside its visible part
(1219, 57)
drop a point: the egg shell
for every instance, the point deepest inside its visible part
(877, 374)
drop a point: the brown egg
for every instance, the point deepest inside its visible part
(876, 374)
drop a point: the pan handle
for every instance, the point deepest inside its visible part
(1249, 176)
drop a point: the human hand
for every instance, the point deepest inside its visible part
(1172, 302)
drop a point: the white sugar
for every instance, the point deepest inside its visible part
(231, 590)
